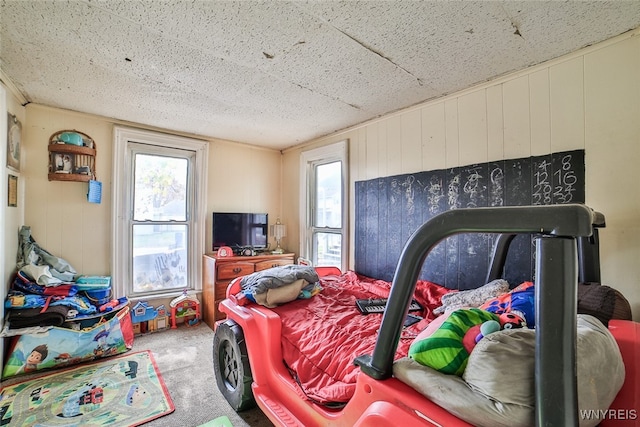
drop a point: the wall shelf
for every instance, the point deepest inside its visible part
(72, 162)
(76, 177)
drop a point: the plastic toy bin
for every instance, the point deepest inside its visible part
(60, 347)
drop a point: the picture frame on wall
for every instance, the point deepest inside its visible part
(12, 191)
(14, 137)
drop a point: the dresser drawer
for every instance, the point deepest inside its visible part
(221, 288)
(218, 272)
(263, 265)
(231, 271)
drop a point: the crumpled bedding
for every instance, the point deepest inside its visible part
(51, 316)
(49, 270)
(322, 336)
(284, 283)
(43, 291)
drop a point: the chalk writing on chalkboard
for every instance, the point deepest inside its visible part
(389, 209)
(496, 182)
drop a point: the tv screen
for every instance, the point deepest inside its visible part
(240, 230)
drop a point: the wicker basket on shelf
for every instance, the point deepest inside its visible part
(72, 156)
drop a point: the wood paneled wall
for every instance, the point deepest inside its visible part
(586, 100)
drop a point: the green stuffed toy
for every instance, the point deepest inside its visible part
(446, 349)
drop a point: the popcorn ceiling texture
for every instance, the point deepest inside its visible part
(280, 73)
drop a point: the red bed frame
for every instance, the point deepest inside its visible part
(382, 400)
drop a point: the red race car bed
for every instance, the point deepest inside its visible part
(319, 361)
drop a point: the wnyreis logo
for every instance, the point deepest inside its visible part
(609, 414)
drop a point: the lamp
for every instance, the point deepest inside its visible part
(278, 230)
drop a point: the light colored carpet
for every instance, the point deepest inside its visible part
(185, 358)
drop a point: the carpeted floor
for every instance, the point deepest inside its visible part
(117, 391)
(185, 358)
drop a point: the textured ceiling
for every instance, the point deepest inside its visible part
(279, 73)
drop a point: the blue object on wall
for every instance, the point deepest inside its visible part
(95, 191)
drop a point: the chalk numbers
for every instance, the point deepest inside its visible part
(542, 187)
(565, 182)
(559, 188)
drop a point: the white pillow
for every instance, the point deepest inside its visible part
(472, 297)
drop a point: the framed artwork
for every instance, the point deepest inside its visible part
(13, 191)
(14, 135)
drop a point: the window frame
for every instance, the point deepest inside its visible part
(122, 208)
(308, 161)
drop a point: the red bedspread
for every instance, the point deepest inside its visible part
(322, 336)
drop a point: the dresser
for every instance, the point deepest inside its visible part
(219, 271)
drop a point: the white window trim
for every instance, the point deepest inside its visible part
(326, 154)
(120, 250)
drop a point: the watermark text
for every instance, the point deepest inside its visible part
(609, 414)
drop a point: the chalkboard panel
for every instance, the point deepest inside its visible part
(390, 209)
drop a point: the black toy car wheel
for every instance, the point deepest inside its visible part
(231, 366)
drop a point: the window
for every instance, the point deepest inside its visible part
(324, 189)
(159, 194)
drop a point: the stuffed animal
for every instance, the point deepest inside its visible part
(448, 341)
(520, 301)
(478, 332)
(512, 320)
(442, 346)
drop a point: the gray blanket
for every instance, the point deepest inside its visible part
(261, 281)
(30, 253)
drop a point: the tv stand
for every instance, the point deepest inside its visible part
(217, 273)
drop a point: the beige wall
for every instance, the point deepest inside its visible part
(13, 216)
(587, 100)
(241, 178)
(10, 217)
(61, 219)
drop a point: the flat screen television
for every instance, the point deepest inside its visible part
(240, 230)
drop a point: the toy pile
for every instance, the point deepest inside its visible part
(447, 342)
(31, 304)
(56, 317)
(47, 291)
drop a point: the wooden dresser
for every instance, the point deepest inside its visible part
(218, 272)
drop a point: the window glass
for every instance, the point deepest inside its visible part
(323, 234)
(328, 249)
(159, 249)
(160, 191)
(159, 257)
(328, 195)
(160, 188)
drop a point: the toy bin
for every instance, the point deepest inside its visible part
(96, 288)
(59, 347)
(98, 297)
